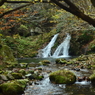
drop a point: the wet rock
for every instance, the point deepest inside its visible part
(80, 79)
(44, 62)
(3, 77)
(30, 76)
(61, 61)
(22, 71)
(34, 76)
(31, 71)
(10, 77)
(76, 69)
(15, 70)
(17, 75)
(62, 77)
(23, 65)
(92, 78)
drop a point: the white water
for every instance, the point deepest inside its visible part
(63, 49)
(46, 52)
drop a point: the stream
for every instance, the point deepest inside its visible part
(45, 87)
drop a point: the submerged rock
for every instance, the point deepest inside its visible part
(62, 77)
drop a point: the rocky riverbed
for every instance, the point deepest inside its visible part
(33, 77)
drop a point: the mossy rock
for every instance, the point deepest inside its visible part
(62, 77)
(22, 71)
(92, 78)
(31, 71)
(44, 62)
(61, 61)
(17, 75)
(23, 65)
(82, 58)
(13, 87)
(10, 77)
(34, 76)
(3, 77)
(39, 77)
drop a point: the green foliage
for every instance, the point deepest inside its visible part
(85, 38)
(93, 48)
(27, 46)
(7, 55)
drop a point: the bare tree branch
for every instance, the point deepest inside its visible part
(75, 11)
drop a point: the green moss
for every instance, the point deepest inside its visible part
(61, 61)
(23, 65)
(39, 77)
(17, 75)
(22, 71)
(31, 71)
(44, 62)
(62, 77)
(92, 78)
(14, 87)
(7, 55)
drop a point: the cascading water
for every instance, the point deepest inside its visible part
(62, 49)
(46, 52)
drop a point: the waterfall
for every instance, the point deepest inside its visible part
(46, 52)
(63, 48)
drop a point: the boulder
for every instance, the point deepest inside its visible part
(13, 87)
(16, 75)
(44, 62)
(92, 78)
(62, 77)
(61, 61)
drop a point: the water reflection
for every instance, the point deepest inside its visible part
(29, 60)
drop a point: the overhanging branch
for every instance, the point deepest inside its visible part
(75, 11)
